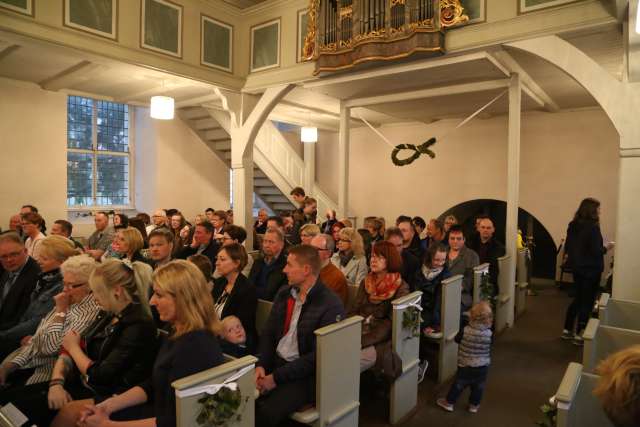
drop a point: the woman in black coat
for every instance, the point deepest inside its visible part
(585, 255)
(233, 295)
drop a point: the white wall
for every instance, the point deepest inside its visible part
(33, 143)
(327, 164)
(173, 168)
(564, 157)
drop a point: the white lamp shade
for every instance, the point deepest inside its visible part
(162, 107)
(309, 134)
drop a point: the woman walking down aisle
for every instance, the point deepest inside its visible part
(585, 251)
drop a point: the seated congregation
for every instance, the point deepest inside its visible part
(94, 332)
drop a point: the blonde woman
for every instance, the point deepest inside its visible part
(183, 300)
(75, 310)
(350, 258)
(127, 244)
(53, 251)
(115, 352)
(618, 387)
(308, 232)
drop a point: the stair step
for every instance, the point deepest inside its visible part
(282, 206)
(268, 191)
(205, 124)
(275, 199)
(193, 113)
(257, 173)
(222, 145)
(262, 182)
(216, 134)
(226, 155)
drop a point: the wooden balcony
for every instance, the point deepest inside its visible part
(343, 34)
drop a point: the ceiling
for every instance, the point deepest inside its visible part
(54, 67)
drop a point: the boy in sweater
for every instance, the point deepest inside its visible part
(474, 358)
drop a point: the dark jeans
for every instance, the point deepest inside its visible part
(276, 406)
(587, 284)
(475, 378)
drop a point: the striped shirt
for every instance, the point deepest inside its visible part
(41, 353)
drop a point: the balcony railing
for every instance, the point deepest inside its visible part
(344, 33)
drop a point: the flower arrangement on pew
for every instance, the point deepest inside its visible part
(411, 320)
(221, 408)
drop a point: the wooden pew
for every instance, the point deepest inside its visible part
(450, 325)
(577, 407)
(352, 293)
(404, 390)
(601, 341)
(522, 282)
(337, 376)
(478, 272)
(505, 294)
(619, 313)
(187, 406)
(262, 314)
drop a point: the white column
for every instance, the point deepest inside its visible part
(626, 269)
(309, 167)
(513, 190)
(343, 162)
(242, 170)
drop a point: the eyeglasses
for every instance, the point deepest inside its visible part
(321, 249)
(73, 285)
(10, 256)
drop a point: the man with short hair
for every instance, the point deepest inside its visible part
(462, 260)
(209, 213)
(219, 220)
(18, 277)
(266, 274)
(275, 222)
(488, 250)
(410, 263)
(100, 241)
(330, 275)
(260, 225)
(159, 219)
(64, 228)
(15, 224)
(285, 372)
(202, 243)
(410, 239)
(375, 226)
(435, 232)
(298, 196)
(28, 209)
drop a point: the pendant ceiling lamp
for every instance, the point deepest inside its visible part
(309, 134)
(162, 107)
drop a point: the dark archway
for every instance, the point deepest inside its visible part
(543, 247)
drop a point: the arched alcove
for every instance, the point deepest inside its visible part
(543, 247)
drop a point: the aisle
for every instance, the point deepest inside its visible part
(528, 363)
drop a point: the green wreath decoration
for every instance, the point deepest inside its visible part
(411, 320)
(418, 150)
(220, 408)
(487, 291)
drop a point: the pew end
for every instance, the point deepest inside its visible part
(618, 313)
(522, 282)
(187, 406)
(577, 407)
(450, 325)
(337, 376)
(404, 390)
(263, 310)
(352, 293)
(601, 341)
(505, 293)
(478, 273)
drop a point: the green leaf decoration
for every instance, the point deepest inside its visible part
(411, 320)
(418, 150)
(219, 409)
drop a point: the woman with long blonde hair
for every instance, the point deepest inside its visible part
(350, 258)
(618, 387)
(183, 300)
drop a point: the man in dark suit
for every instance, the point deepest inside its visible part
(18, 276)
(285, 373)
(410, 263)
(202, 243)
(488, 249)
(266, 274)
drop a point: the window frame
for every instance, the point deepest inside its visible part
(94, 152)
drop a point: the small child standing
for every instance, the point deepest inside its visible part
(474, 358)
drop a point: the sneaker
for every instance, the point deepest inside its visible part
(422, 370)
(567, 335)
(433, 332)
(577, 340)
(442, 402)
(473, 408)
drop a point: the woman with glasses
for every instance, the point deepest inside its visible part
(350, 258)
(235, 234)
(184, 301)
(114, 353)
(382, 285)
(308, 232)
(28, 370)
(128, 244)
(53, 252)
